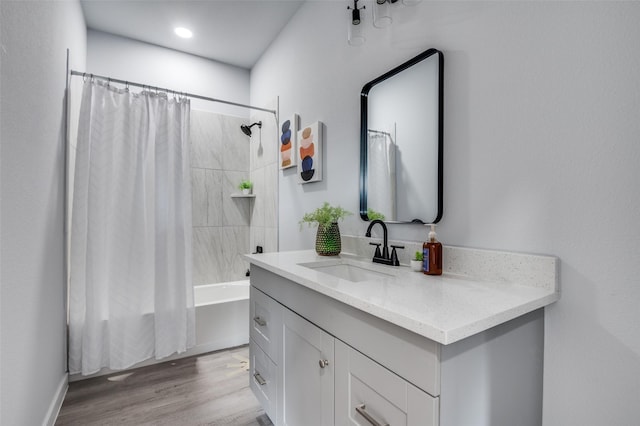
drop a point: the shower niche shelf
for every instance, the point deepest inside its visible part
(243, 195)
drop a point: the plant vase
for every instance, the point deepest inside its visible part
(416, 265)
(246, 191)
(328, 240)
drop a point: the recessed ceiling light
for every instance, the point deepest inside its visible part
(183, 32)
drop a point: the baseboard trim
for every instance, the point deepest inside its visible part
(56, 403)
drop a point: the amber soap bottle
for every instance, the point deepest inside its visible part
(432, 252)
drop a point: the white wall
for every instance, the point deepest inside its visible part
(126, 59)
(541, 155)
(35, 36)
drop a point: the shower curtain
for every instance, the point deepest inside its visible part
(381, 171)
(130, 287)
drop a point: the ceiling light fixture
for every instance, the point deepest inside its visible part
(183, 32)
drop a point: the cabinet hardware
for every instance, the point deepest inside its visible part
(360, 409)
(323, 363)
(259, 379)
(260, 321)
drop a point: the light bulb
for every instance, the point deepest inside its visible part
(183, 32)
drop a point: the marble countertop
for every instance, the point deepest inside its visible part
(445, 308)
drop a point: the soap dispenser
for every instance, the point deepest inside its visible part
(432, 254)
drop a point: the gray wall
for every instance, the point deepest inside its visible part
(541, 155)
(35, 36)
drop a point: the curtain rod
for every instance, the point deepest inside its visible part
(162, 89)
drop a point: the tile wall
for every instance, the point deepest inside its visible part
(219, 161)
(264, 151)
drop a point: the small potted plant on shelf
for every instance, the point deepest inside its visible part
(416, 262)
(328, 241)
(245, 186)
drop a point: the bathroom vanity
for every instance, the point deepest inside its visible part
(339, 340)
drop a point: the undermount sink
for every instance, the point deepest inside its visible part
(350, 270)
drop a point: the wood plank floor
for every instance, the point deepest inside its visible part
(209, 389)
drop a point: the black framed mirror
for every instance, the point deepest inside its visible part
(401, 142)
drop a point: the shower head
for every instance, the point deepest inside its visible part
(247, 129)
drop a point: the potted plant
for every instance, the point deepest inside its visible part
(245, 186)
(373, 215)
(416, 262)
(328, 241)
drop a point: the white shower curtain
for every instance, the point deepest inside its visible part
(381, 171)
(130, 289)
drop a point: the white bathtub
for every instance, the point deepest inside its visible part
(222, 316)
(222, 321)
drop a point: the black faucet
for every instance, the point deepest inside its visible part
(383, 257)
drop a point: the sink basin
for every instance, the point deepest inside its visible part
(349, 270)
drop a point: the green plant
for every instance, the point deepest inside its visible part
(373, 215)
(418, 256)
(324, 216)
(245, 184)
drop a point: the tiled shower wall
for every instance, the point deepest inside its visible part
(219, 161)
(265, 149)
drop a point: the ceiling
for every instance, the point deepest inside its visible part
(236, 32)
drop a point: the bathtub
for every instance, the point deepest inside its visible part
(222, 316)
(222, 321)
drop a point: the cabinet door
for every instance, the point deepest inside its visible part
(306, 368)
(367, 394)
(265, 322)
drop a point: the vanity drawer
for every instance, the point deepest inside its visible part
(265, 322)
(263, 379)
(369, 394)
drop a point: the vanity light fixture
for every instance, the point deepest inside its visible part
(382, 13)
(183, 32)
(355, 35)
(382, 18)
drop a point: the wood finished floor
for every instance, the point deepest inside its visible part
(209, 389)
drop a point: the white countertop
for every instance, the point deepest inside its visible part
(445, 308)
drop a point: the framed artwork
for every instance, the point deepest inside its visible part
(310, 153)
(288, 142)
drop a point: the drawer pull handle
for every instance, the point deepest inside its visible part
(360, 409)
(323, 363)
(260, 321)
(259, 379)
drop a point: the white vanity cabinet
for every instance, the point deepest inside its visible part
(266, 323)
(291, 364)
(306, 374)
(367, 393)
(263, 378)
(264, 349)
(319, 380)
(328, 363)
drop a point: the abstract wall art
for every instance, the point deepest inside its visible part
(310, 153)
(288, 142)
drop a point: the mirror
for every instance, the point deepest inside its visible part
(401, 142)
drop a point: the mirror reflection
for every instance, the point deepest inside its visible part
(401, 142)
